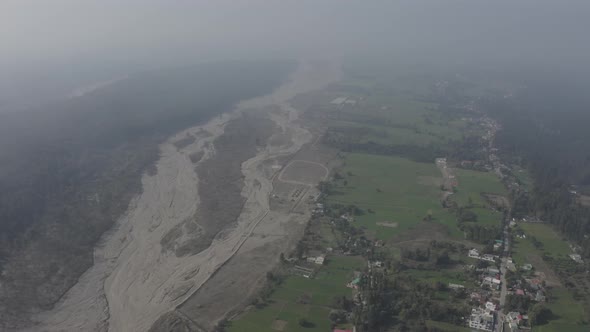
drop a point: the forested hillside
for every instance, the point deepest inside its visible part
(69, 170)
(545, 128)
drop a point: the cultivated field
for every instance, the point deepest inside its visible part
(471, 184)
(394, 193)
(471, 187)
(387, 189)
(567, 311)
(302, 298)
(446, 327)
(523, 250)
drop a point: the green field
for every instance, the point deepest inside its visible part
(486, 216)
(568, 312)
(329, 282)
(524, 177)
(399, 120)
(471, 186)
(553, 244)
(472, 183)
(397, 190)
(444, 276)
(442, 326)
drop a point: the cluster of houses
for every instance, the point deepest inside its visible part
(532, 288)
(493, 282)
(318, 210)
(483, 314)
(474, 253)
(483, 318)
(343, 100)
(516, 321)
(347, 217)
(354, 284)
(317, 260)
(577, 258)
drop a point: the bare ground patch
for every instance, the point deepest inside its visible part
(584, 200)
(212, 301)
(304, 172)
(195, 157)
(184, 142)
(541, 267)
(498, 201)
(221, 178)
(422, 234)
(430, 181)
(391, 224)
(279, 325)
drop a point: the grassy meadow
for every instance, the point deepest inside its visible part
(471, 184)
(286, 302)
(566, 310)
(552, 243)
(567, 313)
(395, 193)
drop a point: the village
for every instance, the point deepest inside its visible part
(468, 261)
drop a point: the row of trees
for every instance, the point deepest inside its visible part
(403, 302)
(417, 153)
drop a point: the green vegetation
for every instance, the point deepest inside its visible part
(299, 298)
(524, 177)
(552, 243)
(487, 216)
(567, 314)
(389, 184)
(393, 193)
(328, 283)
(542, 243)
(444, 276)
(554, 162)
(392, 119)
(446, 327)
(291, 313)
(475, 212)
(471, 184)
(540, 240)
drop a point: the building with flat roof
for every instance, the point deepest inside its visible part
(481, 319)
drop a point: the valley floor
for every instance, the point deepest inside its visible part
(164, 254)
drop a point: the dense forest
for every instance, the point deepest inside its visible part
(68, 170)
(545, 129)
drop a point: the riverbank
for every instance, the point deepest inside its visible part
(140, 271)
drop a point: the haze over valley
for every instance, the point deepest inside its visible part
(294, 166)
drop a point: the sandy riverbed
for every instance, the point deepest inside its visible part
(134, 281)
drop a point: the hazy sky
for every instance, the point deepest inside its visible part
(169, 31)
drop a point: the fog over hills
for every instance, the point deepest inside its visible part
(56, 42)
(157, 156)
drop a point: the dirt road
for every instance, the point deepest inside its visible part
(135, 279)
